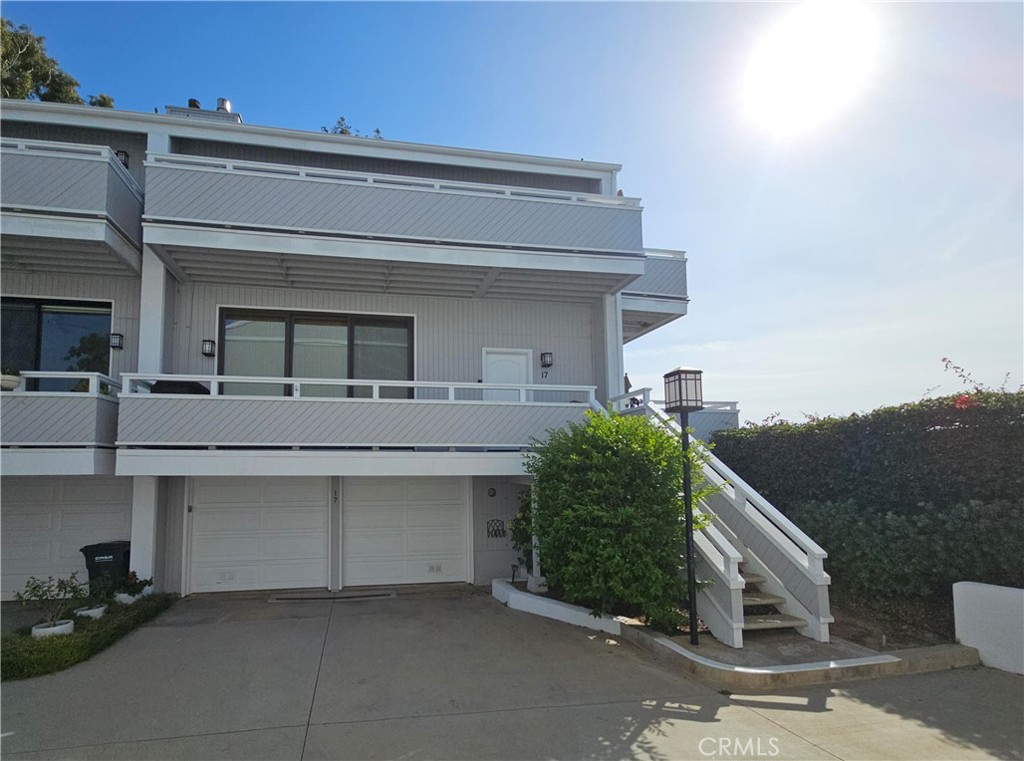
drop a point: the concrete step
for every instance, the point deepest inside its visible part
(753, 578)
(761, 598)
(772, 621)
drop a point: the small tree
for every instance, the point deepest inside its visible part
(342, 127)
(609, 515)
(54, 596)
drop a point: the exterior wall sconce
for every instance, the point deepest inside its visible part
(122, 156)
(209, 347)
(116, 341)
(547, 359)
(684, 393)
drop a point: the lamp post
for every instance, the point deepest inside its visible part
(684, 394)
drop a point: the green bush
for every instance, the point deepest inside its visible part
(23, 656)
(916, 554)
(608, 516)
(946, 451)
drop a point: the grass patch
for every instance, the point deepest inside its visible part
(23, 656)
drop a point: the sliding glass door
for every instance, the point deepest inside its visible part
(305, 345)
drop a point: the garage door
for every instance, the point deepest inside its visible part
(404, 530)
(46, 521)
(259, 533)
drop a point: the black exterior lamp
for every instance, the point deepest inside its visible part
(209, 347)
(684, 394)
(547, 359)
(116, 341)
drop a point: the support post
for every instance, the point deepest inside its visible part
(691, 553)
(535, 581)
(152, 316)
(144, 521)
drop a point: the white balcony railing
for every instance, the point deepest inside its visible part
(85, 417)
(214, 410)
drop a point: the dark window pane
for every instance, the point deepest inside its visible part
(73, 339)
(320, 350)
(19, 338)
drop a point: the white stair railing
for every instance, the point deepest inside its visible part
(771, 546)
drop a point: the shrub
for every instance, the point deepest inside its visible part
(54, 597)
(920, 553)
(945, 451)
(608, 515)
(23, 656)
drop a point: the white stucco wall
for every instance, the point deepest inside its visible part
(991, 620)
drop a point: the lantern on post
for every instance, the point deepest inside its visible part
(684, 394)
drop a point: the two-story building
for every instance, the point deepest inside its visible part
(280, 359)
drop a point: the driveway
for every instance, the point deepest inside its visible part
(453, 674)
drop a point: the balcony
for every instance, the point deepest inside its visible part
(59, 432)
(286, 226)
(657, 297)
(69, 207)
(318, 417)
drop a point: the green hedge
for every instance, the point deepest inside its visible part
(23, 656)
(920, 554)
(946, 451)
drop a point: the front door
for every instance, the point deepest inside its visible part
(507, 366)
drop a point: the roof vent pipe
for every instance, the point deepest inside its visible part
(223, 104)
(193, 103)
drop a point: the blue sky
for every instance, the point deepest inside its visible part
(829, 273)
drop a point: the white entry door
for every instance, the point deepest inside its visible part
(507, 366)
(404, 530)
(259, 533)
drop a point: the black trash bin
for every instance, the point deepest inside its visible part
(107, 560)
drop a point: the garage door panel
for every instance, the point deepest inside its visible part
(293, 547)
(223, 547)
(370, 544)
(360, 518)
(29, 491)
(229, 491)
(436, 543)
(436, 569)
(436, 516)
(297, 490)
(437, 490)
(27, 551)
(101, 490)
(91, 519)
(37, 521)
(217, 520)
(374, 490)
(293, 519)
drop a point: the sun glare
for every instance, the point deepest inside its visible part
(810, 65)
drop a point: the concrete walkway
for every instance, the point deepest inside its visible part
(453, 674)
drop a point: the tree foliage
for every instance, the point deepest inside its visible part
(608, 516)
(28, 73)
(342, 127)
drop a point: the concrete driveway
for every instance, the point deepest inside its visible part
(453, 674)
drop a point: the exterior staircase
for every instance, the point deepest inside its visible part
(755, 568)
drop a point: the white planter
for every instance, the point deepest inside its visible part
(95, 611)
(64, 626)
(9, 382)
(124, 598)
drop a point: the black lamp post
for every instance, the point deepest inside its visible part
(684, 394)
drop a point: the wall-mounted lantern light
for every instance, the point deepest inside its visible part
(116, 341)
(209, 347)
(547, 359)
(122, 156)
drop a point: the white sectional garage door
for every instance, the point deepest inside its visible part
(259, 533)
(46, 521)
(404, 530)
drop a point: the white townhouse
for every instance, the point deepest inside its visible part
(279, 359)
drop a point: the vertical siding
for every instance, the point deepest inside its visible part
(122, 291)
(450, 334)
(493, 556)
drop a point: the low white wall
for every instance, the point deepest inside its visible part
(991, 620)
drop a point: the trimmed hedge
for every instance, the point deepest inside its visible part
(951, 450)
(920, 554)
(23, 656)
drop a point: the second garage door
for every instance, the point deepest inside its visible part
(404, 530)
(259, 533)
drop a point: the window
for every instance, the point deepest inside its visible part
(49, 334)
(308, 345)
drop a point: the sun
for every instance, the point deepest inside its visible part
(810, 65)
